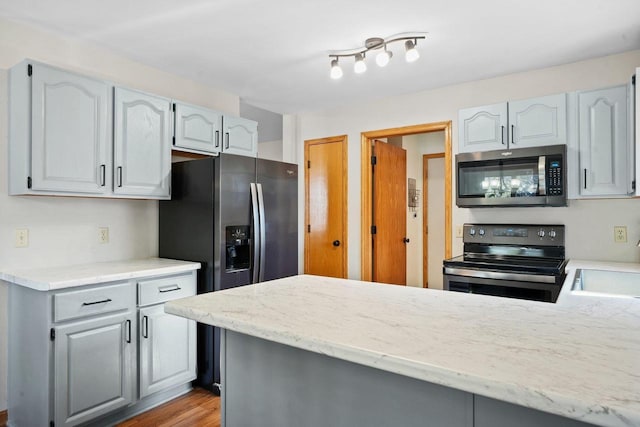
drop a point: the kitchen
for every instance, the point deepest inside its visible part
(62, 230)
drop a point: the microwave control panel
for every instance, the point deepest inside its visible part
(555, 185)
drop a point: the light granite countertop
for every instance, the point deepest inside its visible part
(579, 360)
(54, 278)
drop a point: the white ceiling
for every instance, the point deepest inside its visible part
(274, 54)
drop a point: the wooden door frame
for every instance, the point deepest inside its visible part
(425, 215)
(343, 140)
(366, 202)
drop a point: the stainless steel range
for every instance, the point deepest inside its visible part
(515, 261)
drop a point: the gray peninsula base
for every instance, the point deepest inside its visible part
(271, 384)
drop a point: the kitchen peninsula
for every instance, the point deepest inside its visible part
(309, 350)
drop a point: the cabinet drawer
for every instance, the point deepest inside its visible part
(161, 289)
(89, 302)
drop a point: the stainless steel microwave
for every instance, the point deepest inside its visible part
(519, 177)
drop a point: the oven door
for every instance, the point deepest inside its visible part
(521, 177)
(510, 288)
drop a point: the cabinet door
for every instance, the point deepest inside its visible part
(70, 135)
(538, 121)
(167, 350)
(482, 128)
(240, 136)
(94, 368)
(142, 145)
(602, 132)
(197, 128)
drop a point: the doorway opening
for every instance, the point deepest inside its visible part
(367, 179)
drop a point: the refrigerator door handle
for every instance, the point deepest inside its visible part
(263, 239)
(256, 233)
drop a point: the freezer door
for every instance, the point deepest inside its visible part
(279, 183)
(233, 212)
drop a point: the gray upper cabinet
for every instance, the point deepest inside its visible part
(517, 124)
(603, 143)
(240, 136)
(483, 128)
(142, 144)
(68, 118)
(197, 128)
(538, 121)
(68, 136)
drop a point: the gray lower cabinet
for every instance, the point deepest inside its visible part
(94, 368)
(167, 343)
(81, 356)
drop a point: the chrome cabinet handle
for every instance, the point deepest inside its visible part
(119, 176)
(174, 288)
(513, 132)
(585, 178)
(102, 175)
(502, 134)
(217, 138)
(226, 145)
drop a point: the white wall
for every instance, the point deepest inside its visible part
(589, 223)
(64, 230)
(270, 150)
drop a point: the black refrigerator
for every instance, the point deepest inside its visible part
(238, 216)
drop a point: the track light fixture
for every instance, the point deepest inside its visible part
(382, 57)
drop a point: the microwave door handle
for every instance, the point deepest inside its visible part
(542, 168)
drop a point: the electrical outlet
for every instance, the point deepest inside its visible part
(459, 231)
(103, 234)
(22, 238)
(620, 233)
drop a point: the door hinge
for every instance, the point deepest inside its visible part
(633, 184)
(374, 160)
(52, 334)
(373, 229)
(28, 182)
(29, 70)
(308, 164)
(52, 424)
(308, 228)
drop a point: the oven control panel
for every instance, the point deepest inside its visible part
(515, 234)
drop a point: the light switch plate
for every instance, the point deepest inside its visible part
(22, 238)
(103, 234)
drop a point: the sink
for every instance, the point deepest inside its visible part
(603, 282)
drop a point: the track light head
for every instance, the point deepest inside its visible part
(360, 66)
(383, 58)
(336, 71)
(411, 53)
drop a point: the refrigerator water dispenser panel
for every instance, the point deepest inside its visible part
(238, 245)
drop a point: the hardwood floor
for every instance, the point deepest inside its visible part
(198, 408)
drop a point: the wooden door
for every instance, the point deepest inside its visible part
(325, 251)
(142, 145)
(389, 214)
(70, 132)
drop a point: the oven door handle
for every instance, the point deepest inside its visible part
(465, 272)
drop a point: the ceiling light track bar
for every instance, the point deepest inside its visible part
(374, 43)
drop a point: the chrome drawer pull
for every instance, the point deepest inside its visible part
(97, 302)
(174, 288)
